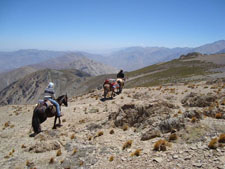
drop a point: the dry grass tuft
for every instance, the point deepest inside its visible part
(213, 143)
(173, 136)
(12, 126)
(89, 138)
(111, 131)
(59, 152)
(51, 161)
(136, 153)
(72, 136)
(63, 120)
(160, 145)
(193, 119)
(74, 151)
(111, 158)
(23, 146)
(127, 144)
(179, 112)
(125, 127)
(218, 115)
(7, 124)
(222, 138)
(122, 97)
(82, 121)
(81, 163)
(100, 133)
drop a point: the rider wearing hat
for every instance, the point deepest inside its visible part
(49, 94)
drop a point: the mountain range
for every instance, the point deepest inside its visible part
(130, 58)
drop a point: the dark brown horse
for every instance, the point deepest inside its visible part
(42, 112)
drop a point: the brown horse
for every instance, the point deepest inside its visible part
(42, 112)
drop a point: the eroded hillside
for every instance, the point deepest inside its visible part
(170, 126)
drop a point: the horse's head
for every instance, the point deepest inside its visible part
(63, 100)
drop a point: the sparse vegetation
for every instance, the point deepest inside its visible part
(160, 145)
(111, 131)
(173, 136)
(125, 127)
(74, 151)
(221, 138)
(59, 152)
(100, 133)
(111, 158)
(51, 161)
(72, 136)
(127, 144)
(218, 115)
(213, 143)
(136, 153)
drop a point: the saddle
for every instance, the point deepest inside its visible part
(47, 103)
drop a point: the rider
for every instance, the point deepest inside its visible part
(120, 74)
(49, 94)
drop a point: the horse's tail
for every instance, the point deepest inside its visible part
(35, 121)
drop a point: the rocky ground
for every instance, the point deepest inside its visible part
(123, 132)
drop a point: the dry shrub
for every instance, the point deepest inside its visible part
(59, 152)
(72, 136)
(218, 115)
(96, 97)
(82, 121)
(100, 133)
(193, 119)
(111, 131)
(28, 163)
(223, 102)
(12, 126)
(6, 156)
(173, 136)
(6, 124)
(127, 144)
(89, 138)
(160, 145)
(63, 120)
(213, 143)
(23, 146)
(51, 161)
(122, 97)
(111, 158)
(81, 163)
(125, 127)
(180, 112)
(136, 153)
(222, 138)
(74, 151)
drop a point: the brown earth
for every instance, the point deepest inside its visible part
(96, 134)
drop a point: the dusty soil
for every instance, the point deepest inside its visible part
(90, 139)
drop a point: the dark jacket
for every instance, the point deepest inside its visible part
(120, 75)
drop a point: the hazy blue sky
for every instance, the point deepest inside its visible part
(102, 24)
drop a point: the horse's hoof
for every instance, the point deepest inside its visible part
(59, 125)
(54, 127)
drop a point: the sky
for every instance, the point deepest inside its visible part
(109, 24)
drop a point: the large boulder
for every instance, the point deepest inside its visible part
(196, 100)
(141, 115)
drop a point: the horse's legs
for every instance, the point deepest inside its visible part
(54, 127)
(59, 122)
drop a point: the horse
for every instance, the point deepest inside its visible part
(120, 81)
(107, 88)
(42, 112)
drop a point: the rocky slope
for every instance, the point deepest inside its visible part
(123, 132)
